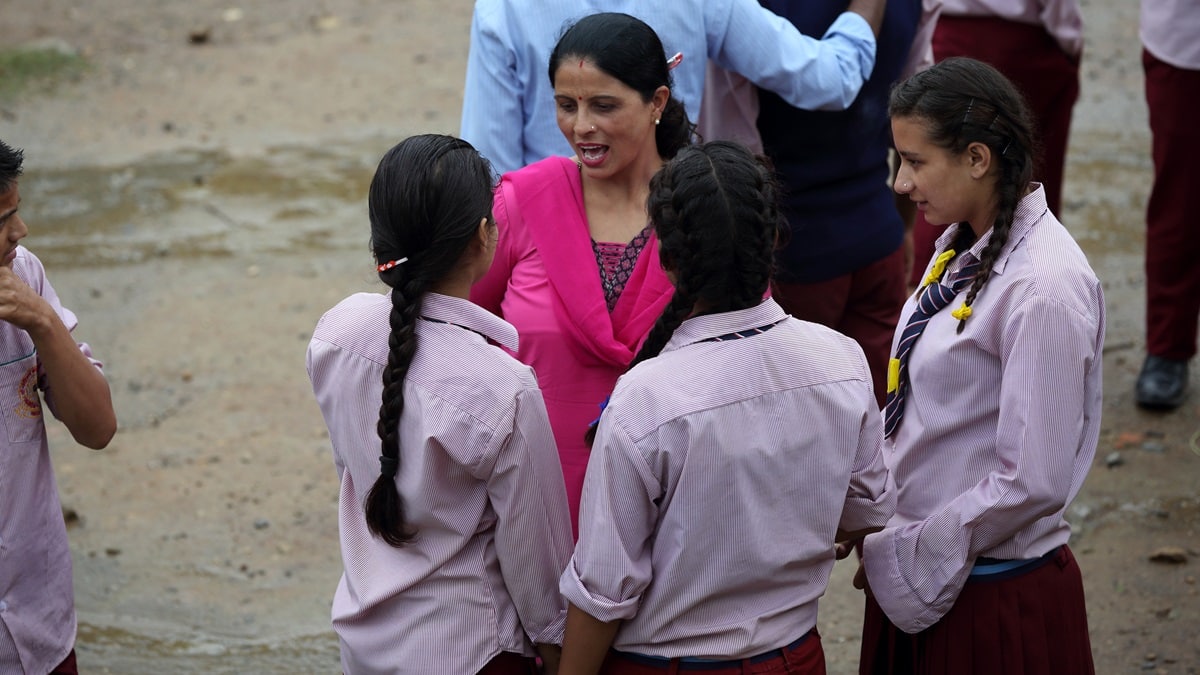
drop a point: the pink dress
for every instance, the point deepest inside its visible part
(546, 283)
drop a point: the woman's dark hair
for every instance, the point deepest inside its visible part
(426, 201)
(962, 101)
(715, 211)
(627, 49)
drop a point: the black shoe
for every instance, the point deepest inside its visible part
(1162, 383)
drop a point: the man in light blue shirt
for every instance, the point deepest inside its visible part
(508, 103)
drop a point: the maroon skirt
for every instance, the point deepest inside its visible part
(1031, 624)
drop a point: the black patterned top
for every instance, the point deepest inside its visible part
(616, 263)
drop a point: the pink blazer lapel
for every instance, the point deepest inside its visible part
(549, 200)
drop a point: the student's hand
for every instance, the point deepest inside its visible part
(842, 549)
(20, 305)
(551, 655)
(860, 579)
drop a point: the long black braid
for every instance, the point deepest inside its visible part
(426, 202)
(964, 101)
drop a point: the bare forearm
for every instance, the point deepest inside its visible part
(586, 642)
(81, 396)
(871, 10)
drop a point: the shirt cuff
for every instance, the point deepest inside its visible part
(891, 590)
(552, 634)
(601, 608)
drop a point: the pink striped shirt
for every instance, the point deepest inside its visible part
(1060, 18)
(1000, 423)
(1169, 29)
(480, 477)
(720, 474)
(37, 604)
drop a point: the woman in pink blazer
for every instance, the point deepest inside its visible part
(576, 269)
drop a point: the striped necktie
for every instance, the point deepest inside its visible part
(933, 298)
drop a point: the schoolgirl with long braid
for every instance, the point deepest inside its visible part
(452, 512)
(737, 448)
(994, 401)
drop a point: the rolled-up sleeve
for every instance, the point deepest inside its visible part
(870, 502)
(611, 567)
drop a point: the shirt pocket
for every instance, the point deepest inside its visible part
(20, 404)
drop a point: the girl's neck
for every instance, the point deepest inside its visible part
(983, 219)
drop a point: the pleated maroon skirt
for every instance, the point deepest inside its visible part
(1031, 624)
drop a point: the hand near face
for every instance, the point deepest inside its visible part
(20, 305)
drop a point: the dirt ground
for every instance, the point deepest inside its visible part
(197, 195)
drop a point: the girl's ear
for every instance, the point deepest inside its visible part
(979, 155)
(487, 234)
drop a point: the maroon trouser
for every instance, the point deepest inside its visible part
(864, 305)
(1173, 213)
(1041, 70)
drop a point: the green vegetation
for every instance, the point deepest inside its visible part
(23, 69)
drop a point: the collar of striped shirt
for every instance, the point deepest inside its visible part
(466, 314)
(709, 326)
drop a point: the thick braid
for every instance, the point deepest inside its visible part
(428, 201)
(384, 504)
(1008, 191)
(672, 317)
(756, 245)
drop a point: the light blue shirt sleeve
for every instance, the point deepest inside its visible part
(493, 116)
(508, 103)
(767, 49)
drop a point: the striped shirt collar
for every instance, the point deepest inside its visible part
(713, 325)
(1028, 212)
(467, 314)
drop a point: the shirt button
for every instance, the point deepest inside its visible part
(3, 605)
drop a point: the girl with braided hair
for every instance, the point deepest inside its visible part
(994, 399)
(737, 448)
(452, 511)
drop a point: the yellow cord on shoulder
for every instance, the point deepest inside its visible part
(939, 266)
